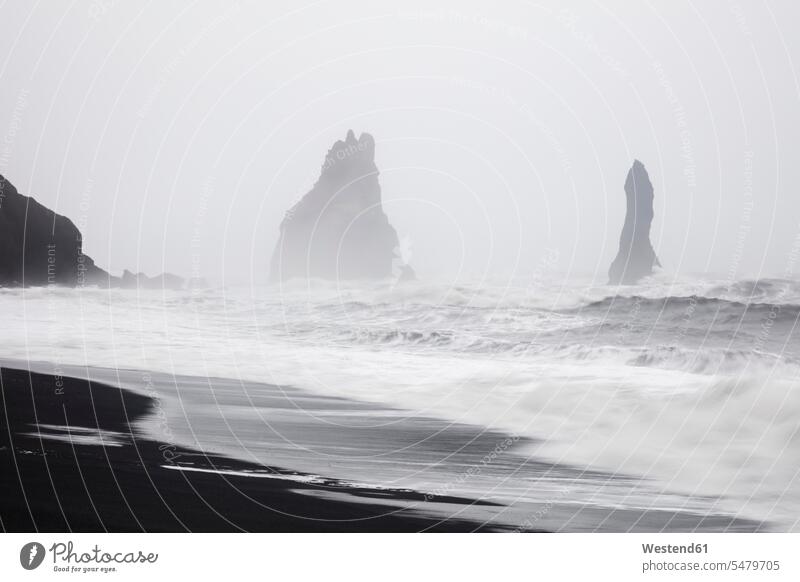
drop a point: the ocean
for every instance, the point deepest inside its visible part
(690, 387)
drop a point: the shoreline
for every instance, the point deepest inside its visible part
(187, 453)
(106, 475)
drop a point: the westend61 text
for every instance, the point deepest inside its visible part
(673, 549)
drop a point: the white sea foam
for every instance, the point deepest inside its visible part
(693, 384)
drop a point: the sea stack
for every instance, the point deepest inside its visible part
(636, 256)
(39, 247)
(339, 230)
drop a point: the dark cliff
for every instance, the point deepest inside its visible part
(339, 230)
(39, 247)
(636, 257)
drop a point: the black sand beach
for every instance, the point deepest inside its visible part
(157, 452)
(53, 485)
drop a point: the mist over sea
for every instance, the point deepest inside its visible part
(692, 386)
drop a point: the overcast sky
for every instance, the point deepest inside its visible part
(176, 134)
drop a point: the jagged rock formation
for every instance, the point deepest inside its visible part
(636, 256)
(39, 247)
(339, 230)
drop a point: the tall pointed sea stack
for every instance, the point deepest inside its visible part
(339, 230)
(636, 256)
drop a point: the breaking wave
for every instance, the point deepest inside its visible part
(692, 384)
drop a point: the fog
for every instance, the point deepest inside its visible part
(176, 135)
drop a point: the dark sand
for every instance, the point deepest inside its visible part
(53, 485)
(208, 454)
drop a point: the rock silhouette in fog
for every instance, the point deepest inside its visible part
(339, 230)
(164, 281)
(636, 257)
(40, 247)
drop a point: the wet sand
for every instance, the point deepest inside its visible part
(110, 477)
(157, 452)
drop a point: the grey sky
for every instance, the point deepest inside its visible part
(177, 134)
